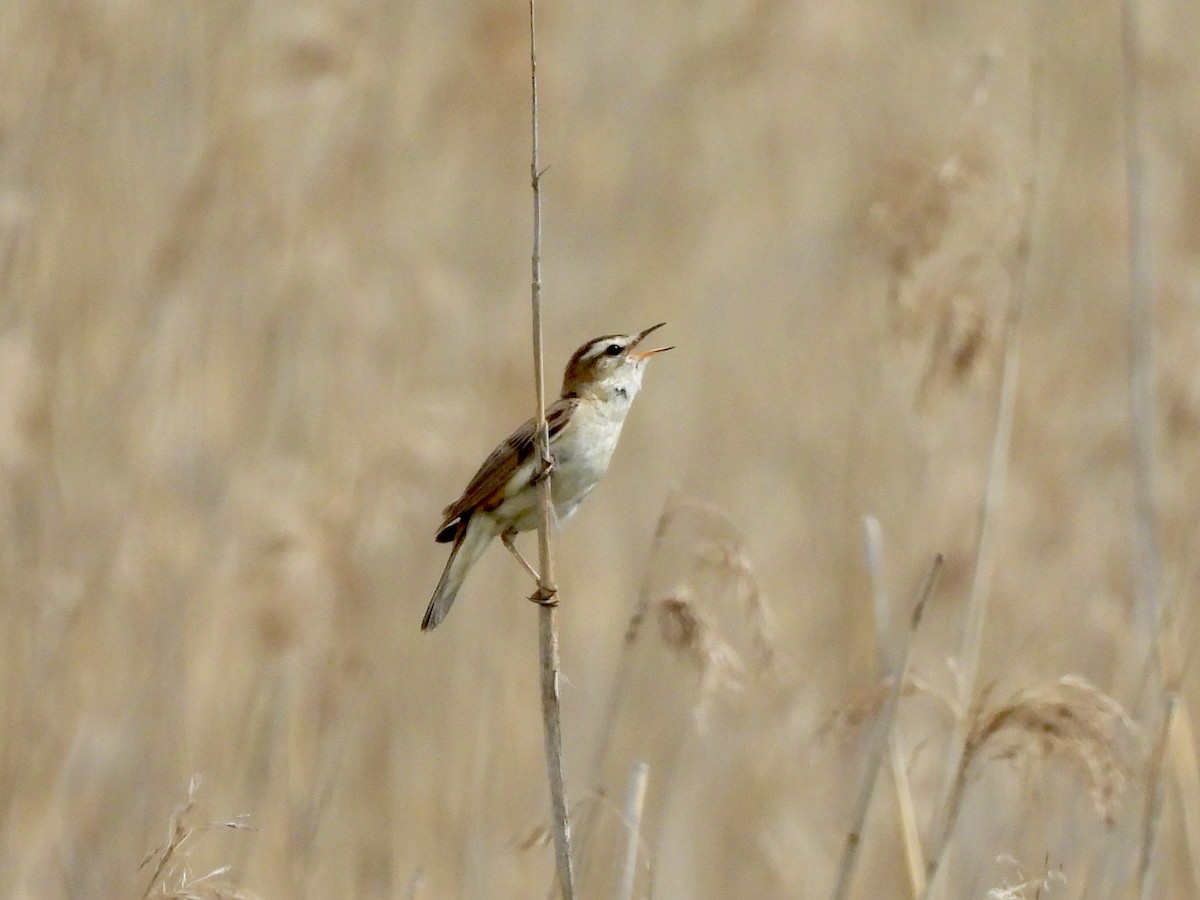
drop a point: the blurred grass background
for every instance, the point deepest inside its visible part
(265, 308)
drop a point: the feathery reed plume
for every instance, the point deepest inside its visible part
(1028, 888)
(1068, 719)
(171, 878)
(694, 636)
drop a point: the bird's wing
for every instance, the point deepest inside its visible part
(499, 467)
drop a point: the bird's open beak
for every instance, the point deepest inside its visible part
(646, 354)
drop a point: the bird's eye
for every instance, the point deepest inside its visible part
(612, 349)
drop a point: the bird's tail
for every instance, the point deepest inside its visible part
(472, 539)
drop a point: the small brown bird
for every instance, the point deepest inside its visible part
(600, 382)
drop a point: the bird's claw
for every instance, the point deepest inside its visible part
(545, 471)
(546, 596)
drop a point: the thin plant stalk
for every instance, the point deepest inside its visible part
(1187, 776)
(635, 801)
(910, 831)
(1149, 606)
(880, 734)
(414, 888)
(985, 561)
(993, 495)
(618, 691)
(1174, 741)
(546, 590)
(910, 834)
(1152, 810)
(1141, 340)
(552, 730)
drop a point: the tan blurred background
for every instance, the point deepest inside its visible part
(265, 308)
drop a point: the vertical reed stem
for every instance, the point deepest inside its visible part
(546, 591)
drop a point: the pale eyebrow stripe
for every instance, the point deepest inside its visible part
(599, 347)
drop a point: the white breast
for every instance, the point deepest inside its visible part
(583, 451)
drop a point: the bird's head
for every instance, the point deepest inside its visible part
(609, 366)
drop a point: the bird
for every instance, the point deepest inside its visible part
(599, 385)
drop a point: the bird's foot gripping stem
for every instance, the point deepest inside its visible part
(545, 470)
(546, 596)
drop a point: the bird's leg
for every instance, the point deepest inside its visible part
(507, 538)
(543, 596)
(544, 470)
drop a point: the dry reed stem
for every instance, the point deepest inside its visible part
(415, 886)
(686, 629)
(595, 805)
(910, 836)
(882, 731)
(985, 549)
(1174, 736)
(1187, 775)
(546, 591)
(985, 559)
(1171, 667)
(1175, 661)
(616, 696)
(689, 631)
(548, 658)
(632, 633)
(1142, 401)
(1154, 798)
(1142, 411)
(881, 602)
(910, 830)
(635, 801)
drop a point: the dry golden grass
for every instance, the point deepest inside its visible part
(265, 306)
